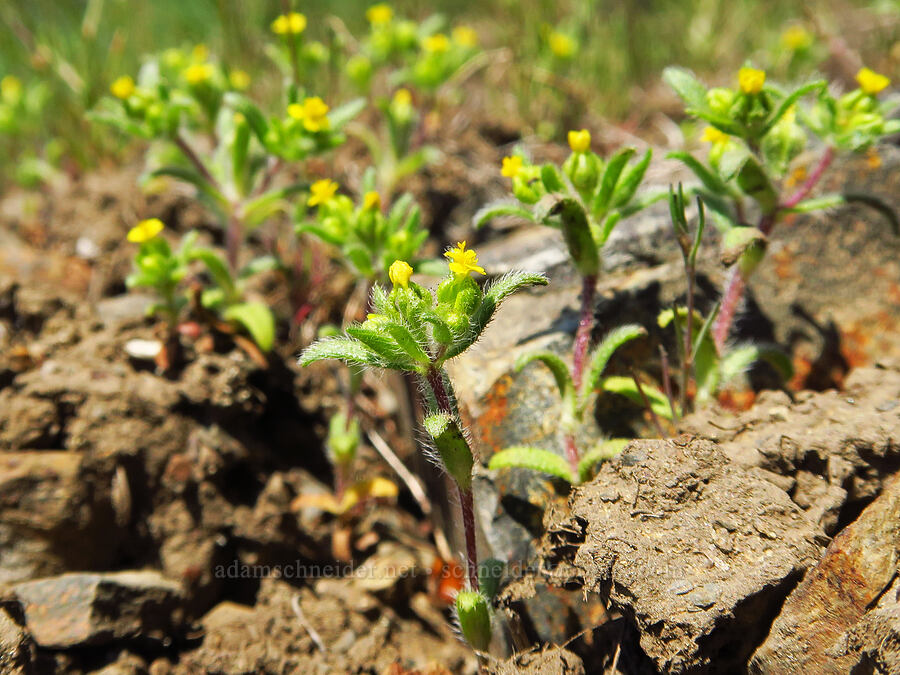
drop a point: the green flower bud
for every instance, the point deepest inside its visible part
(583, 169)
(720, 100)
(452, 447)
(343, 439)
(526, 190)
(474, 619)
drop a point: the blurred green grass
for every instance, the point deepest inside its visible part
(79, 46)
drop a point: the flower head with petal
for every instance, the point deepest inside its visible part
(289, 24)
(463, 261)
(322, 192)
(751, 80)
(313, 112)
(122, 87)
(870, 82)
(145, 230)
(399, 273)
(512, 166)
(580, 141)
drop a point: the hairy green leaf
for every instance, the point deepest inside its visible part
(556, 366)
(602, 354)
(340, 348)
(626, 387)
(614, 168)
(631, 180)
(257, 318)
(536, 459)
(601, 452)
(501, 208)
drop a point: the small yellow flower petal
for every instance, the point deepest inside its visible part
(145, 230)
(512, 166)
(580, 141)
(714, 136)
(399, 273)
(293, 23)
(372, 201)
(379, 14)
(871, 82)
(122, 87)
(751, 80)
(462, 261)
(436, 44)
(313, 112)
(563, 46)
(198, 73)
(321, 192)
(465, 36)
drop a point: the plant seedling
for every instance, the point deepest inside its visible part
(755, 132)
(416, 331)
(585, 199)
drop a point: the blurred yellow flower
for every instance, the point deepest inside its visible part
(512, 166)
(796, 38)
(402, 97)
(372, 201)
(293, 24)
(379, 14)
(313, 112)
(11, 89)
(714, 136)
(465, 36)
(751, 80)
(462, 261)
(200, 53)
(399, 273)
(871, 82)
(580, 141)
(198, 73)
(239, 79)
(122, 87)
(322, 192)
(563, 46)
(145, 230)
(436, 44)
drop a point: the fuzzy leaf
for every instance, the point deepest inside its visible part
(195, 179)
(217, 269)
(340, 348)
(611, 175)
(790, 100)
(379, 343)
(630, 182)
(344, 113)
(257, 318)
(556, 366)
(602, 354)
(599, 453)
(709, 179)
(501, 208)
(689, 88)
(739, 360)
(407, 343)
(626, 387)
(573, 222)
(552, 179)
(536, 459)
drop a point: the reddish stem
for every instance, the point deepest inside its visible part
(467, 503)
(585, 325)
(734, 290)
(572, 453)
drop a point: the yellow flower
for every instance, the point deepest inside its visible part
(239, 79)
(11, 88)
(465, 36)
(321, 192)
(372, 201)
(402, 97)
(122, 87)
(379, 14)
(400, 272)
(796, 38)
(714, 136)
(293, 23)
(313, 112)
(437, 43)
(871, 82)
(462, 261)
(200, 53)
(562, 45)
(751, 80)
(512, 166)
(580, 141)
(145, 230)
(198, 73)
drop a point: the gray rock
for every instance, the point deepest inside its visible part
(857, 567)
(78, 609)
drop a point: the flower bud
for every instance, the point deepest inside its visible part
(474, 619)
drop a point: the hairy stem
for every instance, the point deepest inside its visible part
(734, 291)
(572, 453)
(195, 160)
(688, 333)
(585, 325)
(814, 177)
(233, 242)
(435, 380)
